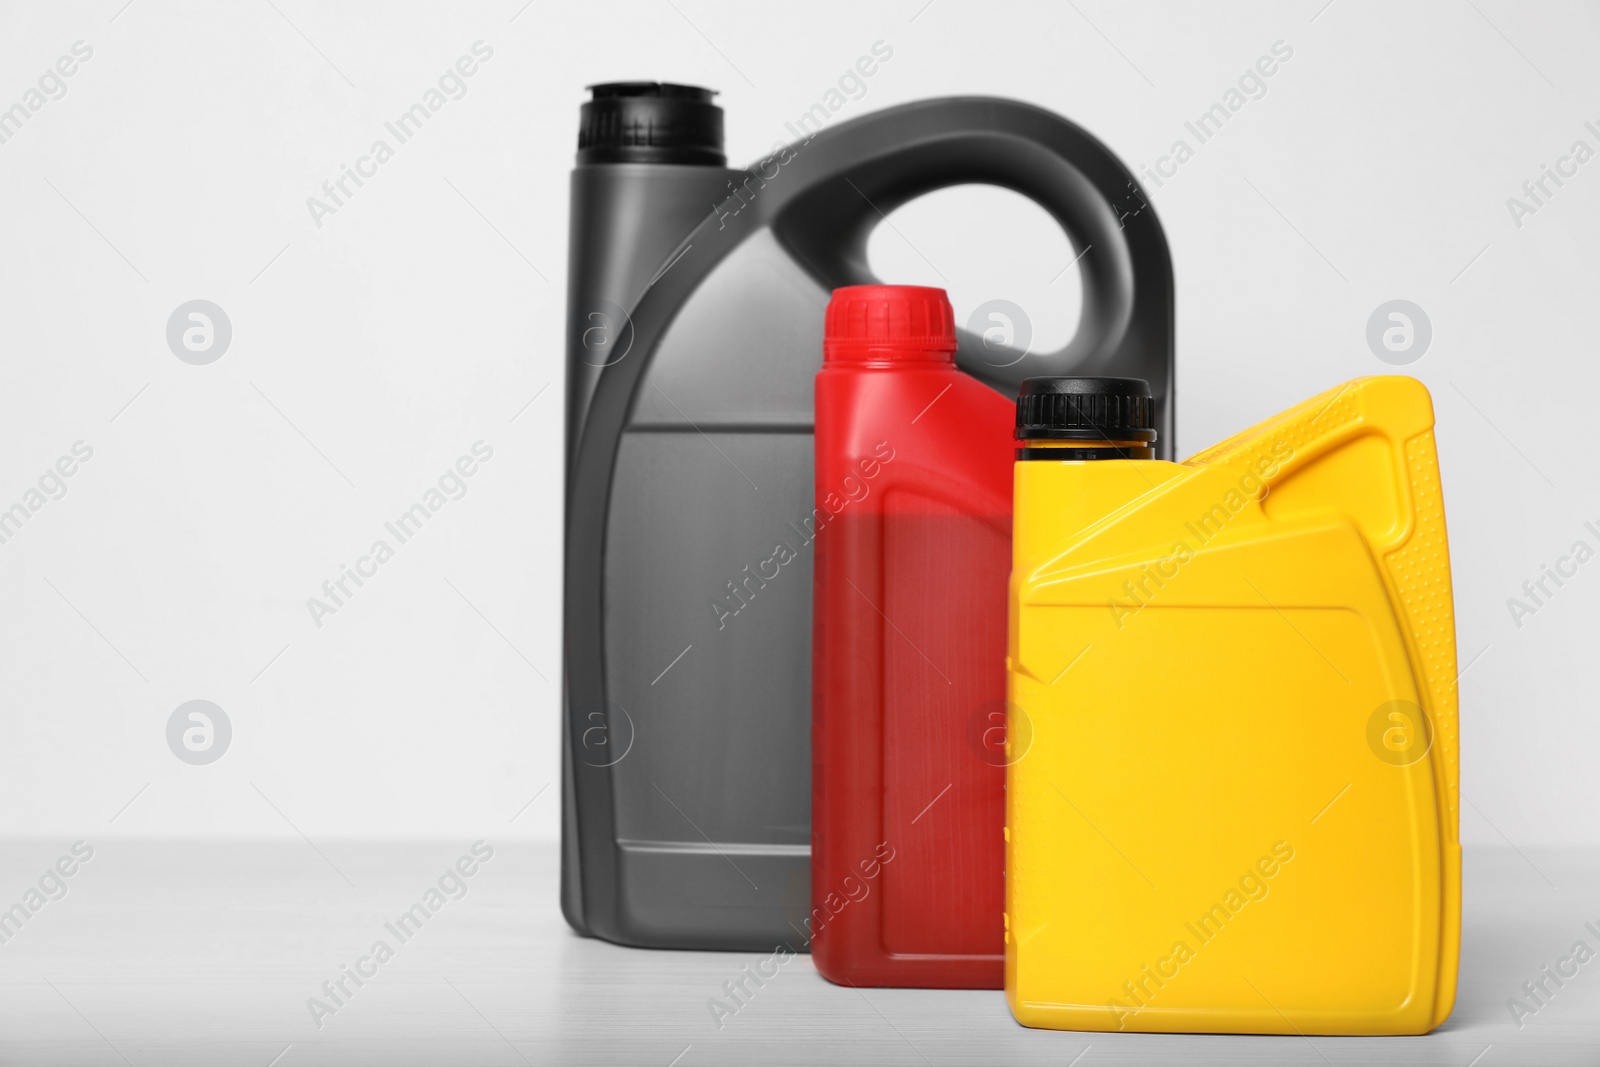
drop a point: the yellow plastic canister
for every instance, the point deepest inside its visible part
(1231, 803)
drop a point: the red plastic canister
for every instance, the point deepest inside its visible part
(913, 520)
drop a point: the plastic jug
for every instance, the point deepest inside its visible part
(1236, 810)
(912, 529)
(695, 314)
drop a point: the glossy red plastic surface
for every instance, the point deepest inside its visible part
(913, 510)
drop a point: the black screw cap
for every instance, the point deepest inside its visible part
(1086, 409)
(650, 122)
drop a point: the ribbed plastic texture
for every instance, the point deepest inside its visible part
(650, 122)
(1086, 409)
(889, 322)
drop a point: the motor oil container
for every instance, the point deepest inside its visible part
(912, 542)
(1236, 811)
(695, 316)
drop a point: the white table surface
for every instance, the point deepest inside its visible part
(206, 953)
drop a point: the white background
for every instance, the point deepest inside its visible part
(425, 315)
